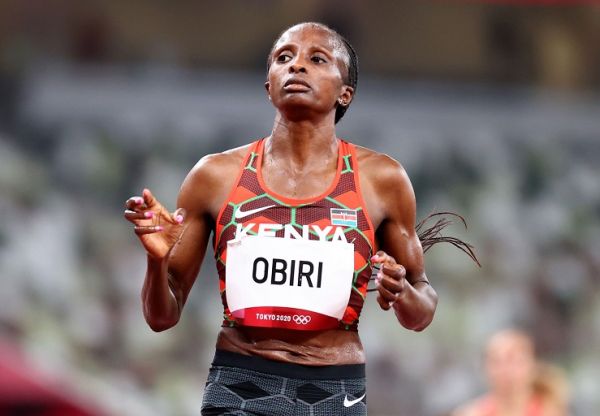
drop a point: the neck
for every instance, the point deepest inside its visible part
(302, 141)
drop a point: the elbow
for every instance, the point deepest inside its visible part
(159, 325)
(158, 317)
(420, 319)
(427, 317)
(418, 325)
(421, 327)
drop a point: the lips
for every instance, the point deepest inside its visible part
(296, 82)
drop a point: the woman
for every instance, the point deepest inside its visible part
(296, 218)
(519, 384)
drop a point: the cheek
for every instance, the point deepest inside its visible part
(271, 79)
(276, 72)
(332, 89)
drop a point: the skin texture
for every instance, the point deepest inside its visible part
(305, 84)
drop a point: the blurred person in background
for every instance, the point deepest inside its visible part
(291, 345)
(520, 385)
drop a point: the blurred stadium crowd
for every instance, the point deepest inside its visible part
(512, 149)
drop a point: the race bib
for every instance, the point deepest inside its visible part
(288, 283)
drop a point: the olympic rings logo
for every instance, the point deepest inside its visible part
(301, 319)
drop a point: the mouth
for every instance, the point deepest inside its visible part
(296, 84)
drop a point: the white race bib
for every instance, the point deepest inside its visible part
(288, 283)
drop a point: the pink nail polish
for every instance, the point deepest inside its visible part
(159, 228)
(139, 200)
(148, 214)
(179, 218)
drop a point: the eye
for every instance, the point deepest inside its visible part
(283, 58)
(318, 59)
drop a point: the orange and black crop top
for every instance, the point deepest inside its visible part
(251, 204)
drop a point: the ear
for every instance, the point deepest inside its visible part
(268, 88)
(346, 95)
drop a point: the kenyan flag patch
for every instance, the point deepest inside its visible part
(344, 217)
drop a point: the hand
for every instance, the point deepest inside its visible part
(391, 279)
(157, 229)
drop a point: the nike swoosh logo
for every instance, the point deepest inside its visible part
(348, 403)
(239, 214)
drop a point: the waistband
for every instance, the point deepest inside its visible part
(329, 372)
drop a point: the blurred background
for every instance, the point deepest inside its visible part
(493, 109)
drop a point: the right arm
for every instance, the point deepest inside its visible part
(176, 248)
(170, 278)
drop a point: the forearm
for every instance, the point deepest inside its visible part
(161, 309)
(416, 306)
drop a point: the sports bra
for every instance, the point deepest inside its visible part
(285, 261)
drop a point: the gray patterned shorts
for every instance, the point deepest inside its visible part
(244, 385)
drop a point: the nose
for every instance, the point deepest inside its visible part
(296, 66)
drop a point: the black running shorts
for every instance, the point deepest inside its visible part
(245, 385)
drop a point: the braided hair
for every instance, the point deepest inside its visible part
(350, 78)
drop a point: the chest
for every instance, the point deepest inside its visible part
(298, 183)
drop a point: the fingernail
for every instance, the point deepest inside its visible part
(380, 275)
(374, 258)
(179, 218)
(159, 228)
(378, 280)
(139, 200)
(148, 214)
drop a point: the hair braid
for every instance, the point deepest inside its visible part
(351, 76)
(432, 235)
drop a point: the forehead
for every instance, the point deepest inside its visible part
(314, 36)
(510, 343)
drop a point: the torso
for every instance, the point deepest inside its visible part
(324, 347)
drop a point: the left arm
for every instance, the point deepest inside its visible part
(402, 283)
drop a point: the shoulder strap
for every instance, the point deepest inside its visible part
(249, 159)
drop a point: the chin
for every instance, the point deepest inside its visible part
(299, 108)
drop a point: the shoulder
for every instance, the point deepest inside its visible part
(380, 169)
(214, 166)
(385, 186)
(208, 183)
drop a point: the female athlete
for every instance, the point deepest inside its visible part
(296, 218)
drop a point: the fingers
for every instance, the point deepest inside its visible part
(383, 304)
(395, 271)
(175, 218)
(134, 216)
(136, 211)
(390, 280)
(147, 214)
(149, 198)
(178, 216)
(392, 284)
(135, 203)
(146, 201)
(381, 257)
(147, 229)
(389, 292)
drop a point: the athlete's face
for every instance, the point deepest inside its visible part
(307, 72)
(509, 363)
